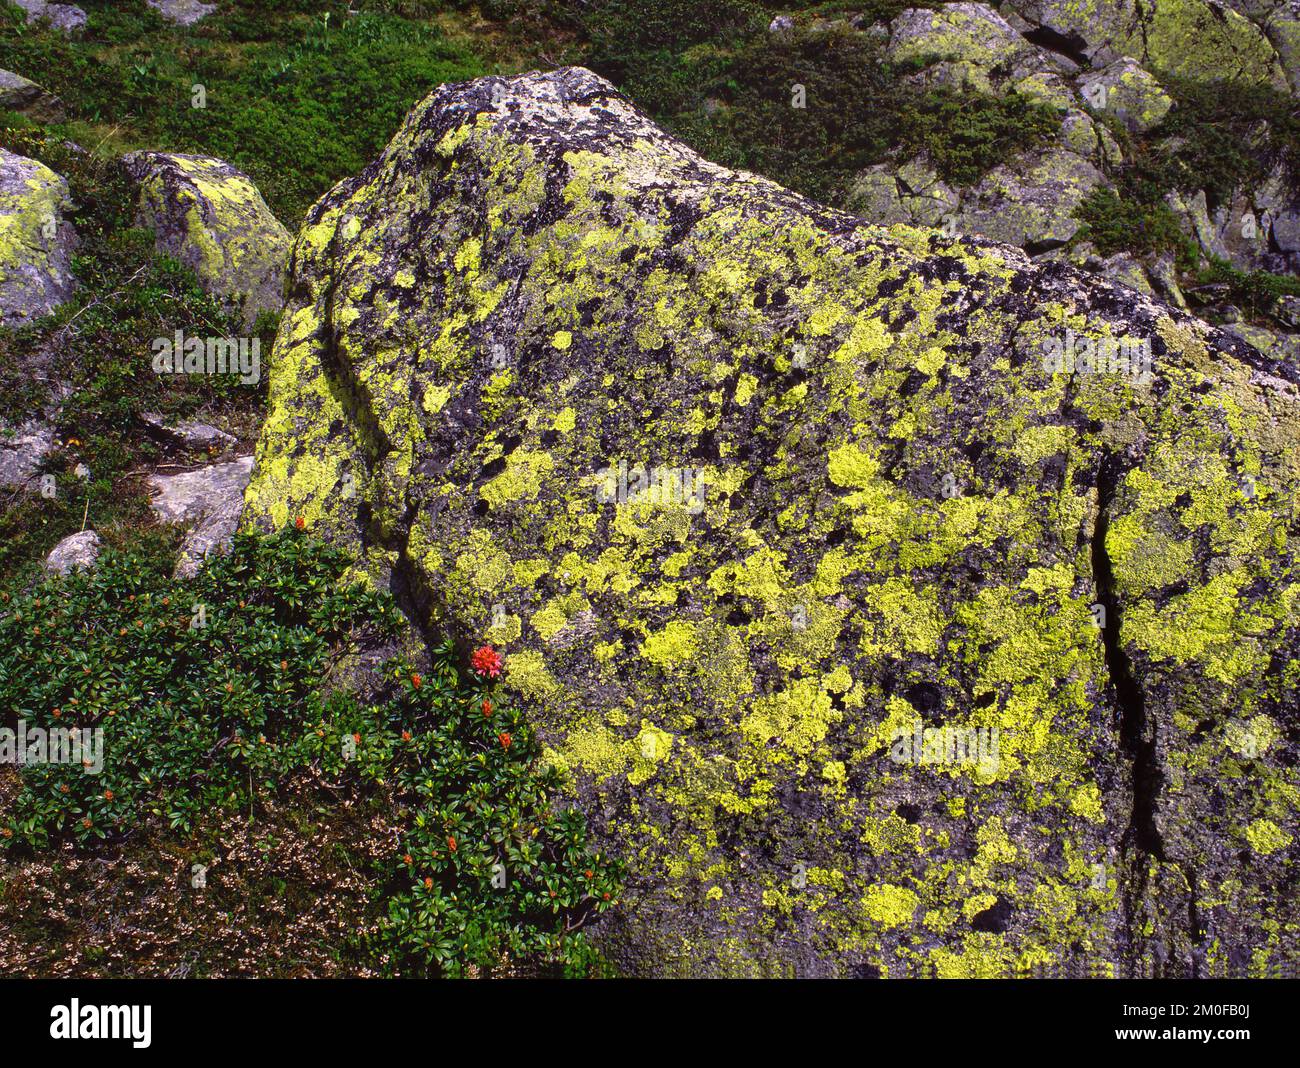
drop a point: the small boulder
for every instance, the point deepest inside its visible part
(22, 449)
(36, 241)
(1127, 271)
(1031, 204)
(182, 12)
(911, 193)
(1201, 39)
(1128, 92)
(210, 499)
(27, 98)
(189, 433)
(211, 217)
(66, 17)
(74, 551)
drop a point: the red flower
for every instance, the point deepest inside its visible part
(416, 680)
(406, 857)
(504, 739)
(451, 842)
(300, 523)
(487, 707)
(428, 884)
(357, 738)
(406, 736)
(486, 661)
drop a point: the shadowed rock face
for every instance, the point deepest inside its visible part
(928, 650)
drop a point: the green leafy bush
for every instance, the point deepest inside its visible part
(1220, 137)
(1255, 292)
(1116, 224)
(967, 133)
(209, 693)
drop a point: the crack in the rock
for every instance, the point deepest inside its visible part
(1142, 837)
(1136, 734)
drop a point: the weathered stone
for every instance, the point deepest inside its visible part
(973, 44)
(22, 451)
(1289, 311)
(1089, 140)
(1129, 93)
(1195, 219)
(1031, 203)
(1165, 276)
(182, 12)
(27, 98)
(911, 193)
(208, 498)
(66, 17)
(74, 551)
(904, 519)
(1127, 271)
(211, 217)
(189, 433)
(36, 241)
(1280, 346)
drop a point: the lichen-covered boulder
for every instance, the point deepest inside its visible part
(1129, 93)
(36, 240)
(23, 448)
(1032, 202)
(27, 98)
(211, 217)
(894, 604)
(974, 46)
(911, 192)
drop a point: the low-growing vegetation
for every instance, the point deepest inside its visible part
(211, 694)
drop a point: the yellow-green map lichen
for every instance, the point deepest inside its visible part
(520, 342)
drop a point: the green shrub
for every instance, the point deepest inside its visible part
(1255, 292)
(967, 133)
(208, 693)
(1220, 137)
(1115, 224)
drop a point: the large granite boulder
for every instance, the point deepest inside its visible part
(895, 604)
(79, 550)
(211, 217)
(23, 448)
(36, 240)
